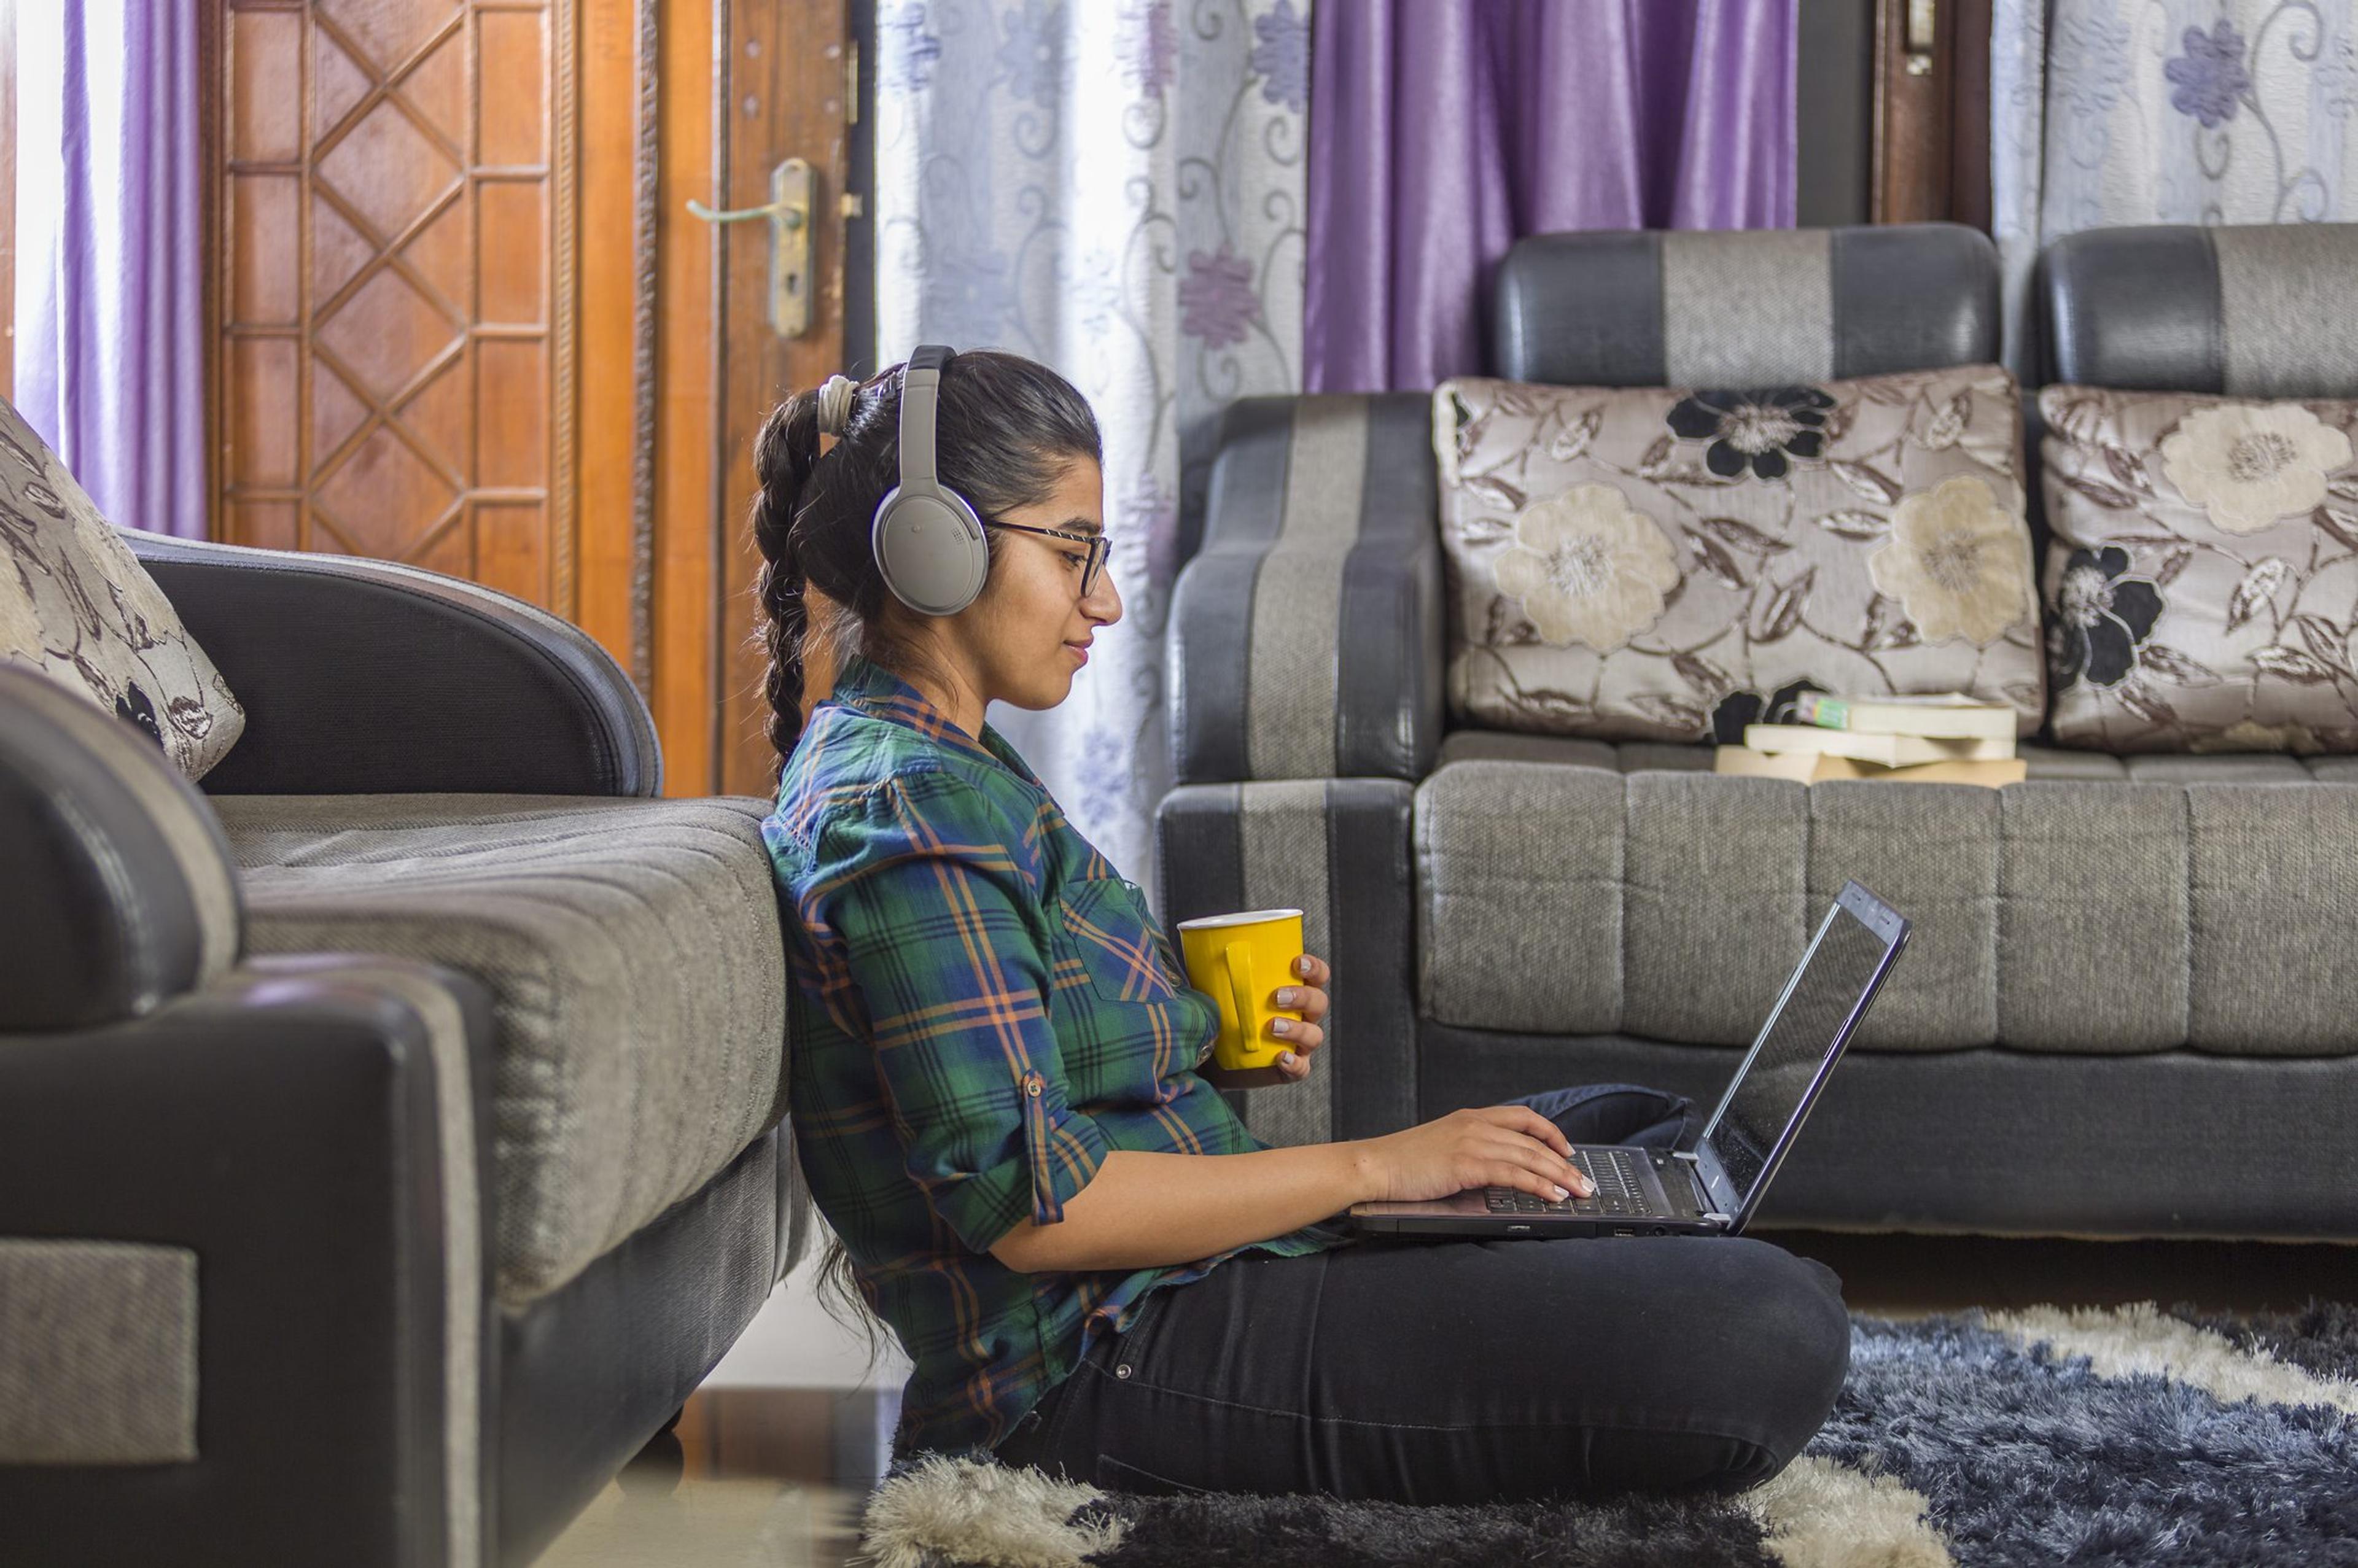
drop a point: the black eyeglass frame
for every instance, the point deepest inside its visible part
(1099, 547)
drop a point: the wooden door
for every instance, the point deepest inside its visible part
(1932, 112)
(464, 318)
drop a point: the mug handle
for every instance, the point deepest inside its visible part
(1238, 959)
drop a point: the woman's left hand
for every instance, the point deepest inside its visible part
(1301, 1039)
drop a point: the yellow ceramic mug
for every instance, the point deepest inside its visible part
(1237, 960)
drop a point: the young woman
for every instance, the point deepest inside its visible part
(1002, 1100)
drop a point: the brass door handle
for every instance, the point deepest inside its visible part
(793, 189)
(1922, 37)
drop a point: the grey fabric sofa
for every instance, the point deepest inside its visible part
(391, 1131)
(2127, 1009)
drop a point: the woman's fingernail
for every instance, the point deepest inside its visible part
(1285, 1058)
(1304, 966)
(1285, 996)
(1282, 1025)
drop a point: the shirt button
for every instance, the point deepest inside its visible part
(1033, 1089)
(1123, 1370)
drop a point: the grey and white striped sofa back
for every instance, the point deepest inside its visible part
(1305, 638)
(2258, 311)
(1742, 307)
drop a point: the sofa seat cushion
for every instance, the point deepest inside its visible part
(635, 952)
(2201, 903)
(1468, 745)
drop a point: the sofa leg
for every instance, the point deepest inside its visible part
(658, 1468)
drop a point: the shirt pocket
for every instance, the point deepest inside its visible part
(1106, 927)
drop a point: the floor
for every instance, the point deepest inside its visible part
(760, 1473)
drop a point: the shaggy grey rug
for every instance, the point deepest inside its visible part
(2125, 1435)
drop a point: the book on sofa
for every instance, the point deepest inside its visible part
(1815, 767)
(1889, 751)
(1944, 739)
(1950, 715)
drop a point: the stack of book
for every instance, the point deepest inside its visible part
(1947, 739)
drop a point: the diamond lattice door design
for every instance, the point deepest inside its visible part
(392, 204)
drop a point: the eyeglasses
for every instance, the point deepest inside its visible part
(1098, 544)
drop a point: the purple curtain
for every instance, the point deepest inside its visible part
(1442, 131)
(110, 303)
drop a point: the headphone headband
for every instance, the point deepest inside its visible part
(920, 390)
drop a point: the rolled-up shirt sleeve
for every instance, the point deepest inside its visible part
(932, 906)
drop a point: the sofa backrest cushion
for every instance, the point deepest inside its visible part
(77, 606)
(1665, 564)
(1742, 307)
(2201, 575)
(2259, 311)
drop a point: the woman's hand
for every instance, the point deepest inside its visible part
(1492, 1145)
(1302, 1039)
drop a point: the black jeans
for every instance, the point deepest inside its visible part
(1423, 1370)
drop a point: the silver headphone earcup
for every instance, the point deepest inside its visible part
(930, 550)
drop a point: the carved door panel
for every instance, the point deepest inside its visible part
(393, 360)
(464, 318)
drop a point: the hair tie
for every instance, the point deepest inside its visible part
(835, 403)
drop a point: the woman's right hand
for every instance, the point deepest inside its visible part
(1482, 1146)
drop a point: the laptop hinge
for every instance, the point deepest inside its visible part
(1702, 1194)
(1702, 1190)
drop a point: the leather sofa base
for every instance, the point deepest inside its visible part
(1993, 1141)
(590, 1372)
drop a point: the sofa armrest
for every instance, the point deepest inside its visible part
(301, 1138)
(117, 892)
(365, 676)
(1305, 636)
(1339, 850)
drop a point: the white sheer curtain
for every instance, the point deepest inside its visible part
(1114, 188)
(2115, 111)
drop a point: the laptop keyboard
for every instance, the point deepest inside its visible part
(1620, 1189)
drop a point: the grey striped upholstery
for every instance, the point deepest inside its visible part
(632, 946)
(2199, 903)
(1742, 307)
(98, 1352)
(119, 893)
(1306, 635)
(1337, 850)
(2249, 311)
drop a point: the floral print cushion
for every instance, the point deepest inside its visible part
(2202, 579)
(1672, 564)
(77, 605)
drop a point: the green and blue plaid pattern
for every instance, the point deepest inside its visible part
(983, 1009)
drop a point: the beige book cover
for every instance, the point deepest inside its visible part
(1890, 750)
(1814, 767)
(1948, 715)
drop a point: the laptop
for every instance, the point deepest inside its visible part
(1714, 1188)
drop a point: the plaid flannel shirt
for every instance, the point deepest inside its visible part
(982, 1010)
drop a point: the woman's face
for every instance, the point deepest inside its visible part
(1027, 627)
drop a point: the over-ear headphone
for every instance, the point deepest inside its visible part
(927, 539)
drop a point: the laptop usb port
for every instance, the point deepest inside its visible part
(1623, 1230)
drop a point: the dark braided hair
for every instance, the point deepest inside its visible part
(1005, 430)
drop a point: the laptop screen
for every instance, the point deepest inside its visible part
(1793, 1047)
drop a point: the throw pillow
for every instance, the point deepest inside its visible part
(1668, 564)
(77, 605)
(2202, 580)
